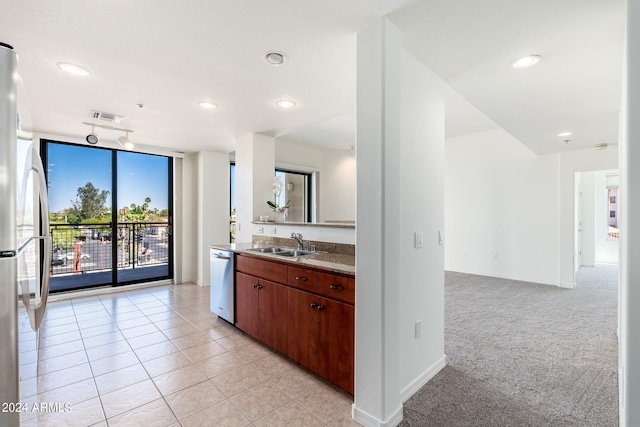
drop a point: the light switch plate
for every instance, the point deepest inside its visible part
(418, 239)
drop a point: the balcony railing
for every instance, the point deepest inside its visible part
(89, 247)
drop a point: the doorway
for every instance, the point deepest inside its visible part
(596, 214)
(111, 219)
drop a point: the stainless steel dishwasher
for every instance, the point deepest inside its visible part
(222, 284)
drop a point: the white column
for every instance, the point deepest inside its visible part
(255, 167)
(629, 369)
(212, 207)
(377, 397)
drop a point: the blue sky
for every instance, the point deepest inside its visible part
(139, 176)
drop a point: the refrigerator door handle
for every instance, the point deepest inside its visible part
(36, 311)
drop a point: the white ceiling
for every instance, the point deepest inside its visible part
(169, 55)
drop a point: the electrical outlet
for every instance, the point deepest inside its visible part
(418, 328)
(273, 230)
(260, 230)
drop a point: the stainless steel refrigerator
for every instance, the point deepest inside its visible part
(25, 245)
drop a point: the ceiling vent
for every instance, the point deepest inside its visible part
(107, 117)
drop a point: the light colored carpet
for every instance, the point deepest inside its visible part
(524, 354)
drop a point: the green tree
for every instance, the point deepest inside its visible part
(90, 203)
(138, 213)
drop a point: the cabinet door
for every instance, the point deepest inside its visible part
(336, 343)
(273, 315)
(302, 343)
(247, 304)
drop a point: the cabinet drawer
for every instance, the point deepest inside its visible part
(266, 269)
(337, 287)
(302, 278)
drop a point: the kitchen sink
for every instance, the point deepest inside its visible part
(285, 252)
(295, 253)
(268, 250)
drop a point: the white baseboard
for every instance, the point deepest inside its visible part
(424, 378)
(369, 420)
(567, 285)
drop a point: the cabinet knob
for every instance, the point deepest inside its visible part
(255, 286)
(301, 278)
(314, 305)
(259, 286)
(321, 307)
(337, 287)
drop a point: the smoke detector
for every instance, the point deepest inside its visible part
(107, 117)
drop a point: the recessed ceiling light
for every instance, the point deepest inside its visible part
(73, 69)
(275, 58)
(207, 105)
(565, 134)
(286, 103)
(527, 61)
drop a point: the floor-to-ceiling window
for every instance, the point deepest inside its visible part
(110, 216)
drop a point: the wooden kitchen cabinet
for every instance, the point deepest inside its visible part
(303, 329)
(337, 287)
(247, 304)
(336, 343)
(307, 315)
(302, 278)
(261, 310)
(272, 312)
(321, 336)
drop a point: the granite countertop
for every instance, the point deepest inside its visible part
(333, 262)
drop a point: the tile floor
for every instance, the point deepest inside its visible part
(159, 357)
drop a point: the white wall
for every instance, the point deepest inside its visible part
(187, 258)
(501, 208)
(629, 366)
(377, 383)
(255, 163)
(511, 213)
(212, 216)
(421, 209)
(338, 187)
(400, 152)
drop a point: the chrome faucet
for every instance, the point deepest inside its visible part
(298, 238)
